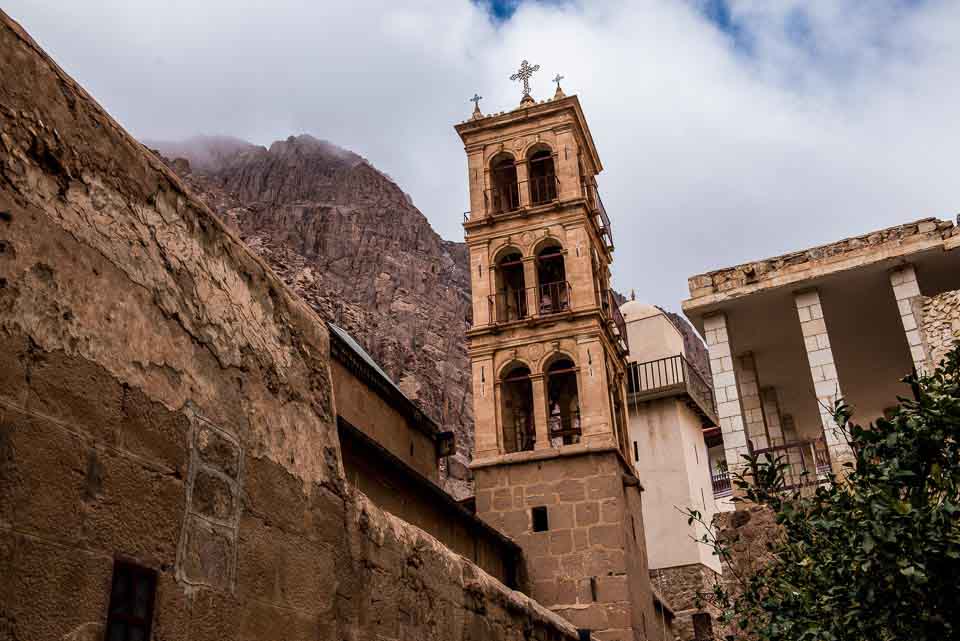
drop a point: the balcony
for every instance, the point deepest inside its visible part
(600, 217)
(504, 199)
(543, 189)
(611, 309)
(807, 462)
(672, 376)
(721, 484)
(550, 298)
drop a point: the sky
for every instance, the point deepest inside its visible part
(730, 130)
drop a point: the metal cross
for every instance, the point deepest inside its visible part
(476, 100)
(524, 73)
(557, 79)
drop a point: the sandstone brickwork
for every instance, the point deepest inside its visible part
(687, 588)
(165, 400)
(590, 564)
(940, 324)
(800, 265)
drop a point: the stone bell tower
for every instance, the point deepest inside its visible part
(548, 348)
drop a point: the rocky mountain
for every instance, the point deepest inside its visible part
(354, 246)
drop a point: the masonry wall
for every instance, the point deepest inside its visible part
(939, 324)
(163, 399)
(366, 410)
(590, 565)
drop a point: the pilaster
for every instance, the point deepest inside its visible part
(823, 370)
(540, 412)
(523, 182)
(906, 290)
(725, 388)
(750, 404)
(771, 415)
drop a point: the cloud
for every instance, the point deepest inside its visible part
(769, 126)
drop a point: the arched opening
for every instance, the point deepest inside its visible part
(516, 394)
(510, 299)
(543, 177)
(504, 192)
(563, 403)
(553, 291)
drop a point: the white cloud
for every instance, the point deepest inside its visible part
(830, 125)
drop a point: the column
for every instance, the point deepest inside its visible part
(540, 412)
(771, 415)
(487, 416)
(523, 182)
(725, 389)
(906, 290)
(823, 370)
(530, 283)
(750, 404)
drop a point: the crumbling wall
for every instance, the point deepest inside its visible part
(165, 400)
(687, 588)
(940, 324)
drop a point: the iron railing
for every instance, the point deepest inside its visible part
(600, 217)
(564, 429)
(806, 462)
(551, 298)
(505, 199)
(721, 484)
(543, 189)
(671, 374)
(506, 306)
(612, 309)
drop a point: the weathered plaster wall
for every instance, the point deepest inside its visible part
(164, 399)
(939, 323)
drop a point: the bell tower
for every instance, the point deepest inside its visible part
(547, 348)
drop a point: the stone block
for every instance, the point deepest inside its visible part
(502, 499)
(609, 536)
(610, 511)
(213, 497)
(207, 555)
(561, 542)
(612, 588)
(587, 513)
(561, 517)
(570, 490)
(217, 449)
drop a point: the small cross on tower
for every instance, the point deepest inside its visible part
(476, 105)
(524, 73)
(557, 79)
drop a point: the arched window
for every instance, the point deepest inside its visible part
(543, 177)
(553, 291)
(510, 299)
(516, 411)
(563, 403)
(504, 192)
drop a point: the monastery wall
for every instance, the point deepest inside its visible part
(939, 323)
(166, 401)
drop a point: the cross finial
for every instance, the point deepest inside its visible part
(476, 104)
(524, 73)
(559, 92)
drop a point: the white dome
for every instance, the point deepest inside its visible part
(635, 310)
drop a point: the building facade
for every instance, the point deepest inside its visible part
(671, 408)
(788, 336)
(548, 348)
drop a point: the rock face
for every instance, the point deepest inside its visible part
(166, 401)
(350, 242)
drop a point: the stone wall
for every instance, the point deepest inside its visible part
(165, 400)
(683, 587)
(939, 324)
(589, 564)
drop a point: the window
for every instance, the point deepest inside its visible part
(540, 523)
(131, 602)
(636, 452)
(593, 588)
(584, 634)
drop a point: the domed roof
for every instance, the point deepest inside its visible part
(635, 310)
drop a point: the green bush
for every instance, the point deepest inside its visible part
(871, 556)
